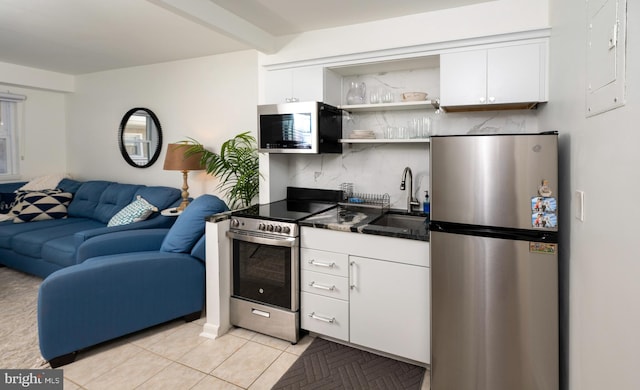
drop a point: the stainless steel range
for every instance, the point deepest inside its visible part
(265, 266)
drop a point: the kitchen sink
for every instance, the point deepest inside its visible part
(401, 221)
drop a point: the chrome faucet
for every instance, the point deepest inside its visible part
(411, 201)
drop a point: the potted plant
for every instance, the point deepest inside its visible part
(236, 166)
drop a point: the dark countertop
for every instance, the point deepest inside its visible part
(219, 217)
(358, 220)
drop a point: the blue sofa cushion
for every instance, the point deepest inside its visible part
(159, 196)
(60, 251)
(8, 229)
(199, 249)
(189, 226)
(114, 198)
(69, 185)
(11, 187)
(86, 198)
(30, 244)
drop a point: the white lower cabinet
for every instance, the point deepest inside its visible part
(389, 307)
(324, 301)
(324, 284)
(323, 315)
(368, 290)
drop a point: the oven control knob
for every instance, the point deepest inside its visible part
(278, 228)
(261, 226)
(286, 229)
(235, 223)
(270, 228)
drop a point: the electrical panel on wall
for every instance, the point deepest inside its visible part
(606, 49)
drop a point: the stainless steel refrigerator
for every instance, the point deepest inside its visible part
(494, 262)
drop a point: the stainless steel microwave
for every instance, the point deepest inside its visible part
(301, 127)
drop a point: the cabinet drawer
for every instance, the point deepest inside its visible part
(325, 262)
(323, 315)
(324, 284)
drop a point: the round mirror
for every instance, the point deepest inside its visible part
(140, 137)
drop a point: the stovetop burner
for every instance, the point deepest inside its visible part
(285, 210)
(300, 203)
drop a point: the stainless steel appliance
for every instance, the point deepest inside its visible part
(494, 259)
(300, 127)
(265, 266)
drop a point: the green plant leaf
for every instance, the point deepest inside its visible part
(236, 167)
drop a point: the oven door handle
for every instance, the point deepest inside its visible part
(274, 241)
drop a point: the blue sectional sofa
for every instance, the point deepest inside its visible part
(43, 247)
(130, 280)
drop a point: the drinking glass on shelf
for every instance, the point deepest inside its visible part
(413, 128)
(387, 97)
(403, 132)
(390, 132)
(374, 96)
(426, 127)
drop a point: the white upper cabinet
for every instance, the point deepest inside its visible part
(463, 78)
(314, 83)
(498, 76)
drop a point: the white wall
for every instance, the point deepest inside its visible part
(599, 155)
(42, 139)
(484, 19)
(210, 99)
(23, 76)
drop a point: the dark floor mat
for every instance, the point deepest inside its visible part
(328, 365)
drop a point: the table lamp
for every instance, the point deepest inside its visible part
(177, 160)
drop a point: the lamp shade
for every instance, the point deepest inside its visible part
(176, 160)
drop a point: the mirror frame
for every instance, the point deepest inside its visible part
(123, 125)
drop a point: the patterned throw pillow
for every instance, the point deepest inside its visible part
(136, 211)
(41, 205)
(17, 204)
(7, 199)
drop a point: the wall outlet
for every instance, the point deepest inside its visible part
(579, 202)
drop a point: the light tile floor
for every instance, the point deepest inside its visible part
(174, 356)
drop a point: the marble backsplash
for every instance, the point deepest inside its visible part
(377, 168)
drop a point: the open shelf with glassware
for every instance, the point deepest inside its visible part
(384, 140)
(386, 98)
(412, 105)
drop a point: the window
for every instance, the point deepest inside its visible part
(137, 137)
(9, 134)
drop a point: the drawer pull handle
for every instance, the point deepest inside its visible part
(319, 264)
(323, 319)
(321, 286)
(261, 313)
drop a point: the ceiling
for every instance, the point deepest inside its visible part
(85, 36)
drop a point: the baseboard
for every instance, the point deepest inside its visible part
(212, 331)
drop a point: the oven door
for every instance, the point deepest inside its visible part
(265, 269)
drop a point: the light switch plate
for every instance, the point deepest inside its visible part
(579, 202)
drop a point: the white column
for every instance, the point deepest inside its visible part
(218, 279)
